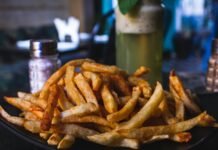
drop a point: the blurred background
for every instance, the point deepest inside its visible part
(190, 26)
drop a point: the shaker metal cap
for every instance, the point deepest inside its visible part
(43, 47)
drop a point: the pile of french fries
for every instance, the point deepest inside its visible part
(105, 105)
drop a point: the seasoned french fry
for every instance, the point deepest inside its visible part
(120, 84)
(58, 74)
(63, 102)
(61, 82)
(66, 142)
(44, 135)
(71, 89)
(180, 110)
(95, 67)
(89, 119)
(85, 89)
(49, 111)
(146, 111)
(110, 103)
(36, 101)
(114, 139)
(21, 104)
(12, 119)
(54, 139)
(32, 126)
(145, 133)
(81, 110)
(141, 71)
(73, 129)
(95, 78)
(30, 116)
(179, 89)
(127, 109)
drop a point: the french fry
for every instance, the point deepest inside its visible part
(95, 79)
(127, 109)
(30, 116)
(110, 103)
(81, 110)
(32, 126)
(120, 84)
(22, 105)
(12, 119)
(113, 139)
(66, 142)
(145, 133)
(146, 111)
(63, 102)
(89, 119)
(44, 135)
(36, 101)
(58, 74)
(71, 89)
(176, 83)
(73, 129)
(141, 71)
(85, 89)
(49, 111)
(54, 139)
(61, 82)
(96, 67)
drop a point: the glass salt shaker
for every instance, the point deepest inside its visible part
(44, 61)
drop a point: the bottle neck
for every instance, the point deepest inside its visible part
(55, 56)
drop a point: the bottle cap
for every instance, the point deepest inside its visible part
(44, 47)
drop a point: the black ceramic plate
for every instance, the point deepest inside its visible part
(199, 135)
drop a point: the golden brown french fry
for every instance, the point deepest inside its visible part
(145, 133)
(36, 94)
(73, 129)
(54, 139)
(61, 82)
(71, 88)
(30, 116)
(110, 103)
(96, 67)
(146, 111)
(32, 126)
(58, 74)
(141, 71)
(66, 142)
(120, 84)
(89, 119)
(49, 111)
(114, 139)
(63, 101)
(180, 110)
(85, 89)
(81, 110)
(95, 79)
(12, 119)
(22, 105)
(127, 109)
(176, 84)
(29, 97)
(44, 135)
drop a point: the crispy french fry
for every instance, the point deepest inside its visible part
(89, 119)
(176, 84)
(95, 67)
(32, 126)
(36, 101)
(114, 139)
(66, 142)
(127, 109)
(145, 133)
(81, 110)
(49, 111)
(44, 135)
(110, 103)
(58, 74)
(141, 71)
(63, 102)
(85, 89)
(30, 116)
(180, 110)
(54, 139)
(120, 84)
(146, 111)
(71, 89)
(73, 129)
(95, 78)
(23, 105)
(12, 119)
(61, 82)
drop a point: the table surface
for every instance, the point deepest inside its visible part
(14, 77)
